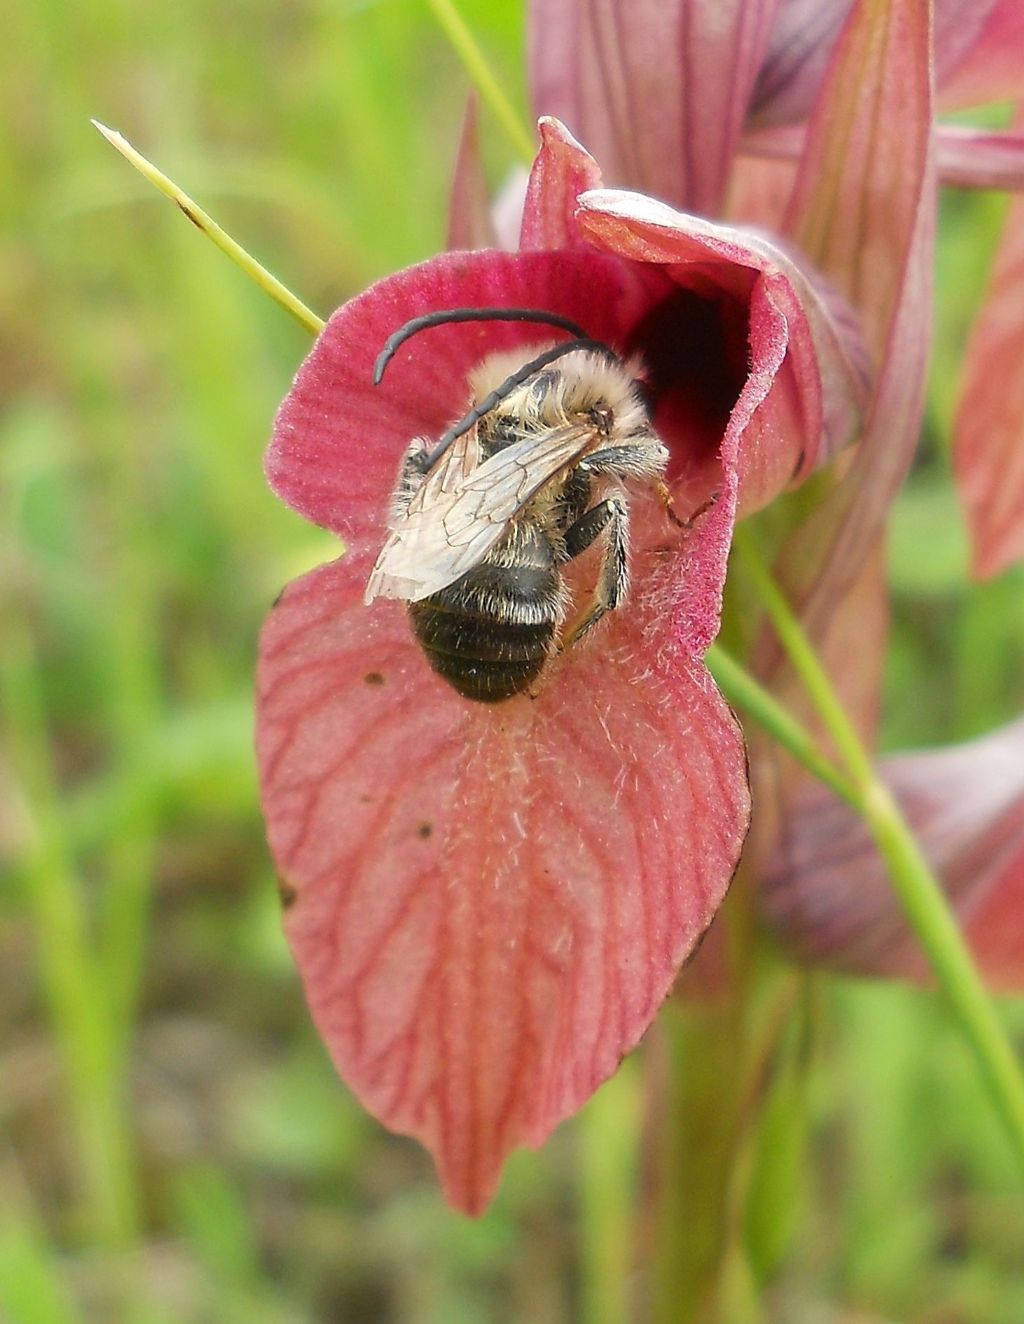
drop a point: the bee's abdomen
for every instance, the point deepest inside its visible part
(490, 633)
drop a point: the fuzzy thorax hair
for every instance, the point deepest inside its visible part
(581, 381)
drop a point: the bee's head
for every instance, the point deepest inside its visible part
(583, 380)
(544, 382)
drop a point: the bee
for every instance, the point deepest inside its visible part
(484, 521)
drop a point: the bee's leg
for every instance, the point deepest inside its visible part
(694, 515)
(666, 500)
(610, 515)
(642, 460)
(639, 459)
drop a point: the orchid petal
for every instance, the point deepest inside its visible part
(988, 450)
(561, 171)
(798, 54)
(827, 895)
(964, 157)
(338, 439)
(978, 46)
(760, 189)
(856, 205)
(959, 27)
(658, 89)
(488, 905)
(863, 210)
(991, 66)
(814, 405)
(973, 158)
(469, 208)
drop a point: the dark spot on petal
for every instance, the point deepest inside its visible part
(366, 799)
(277, 600)
(373, 678)
(287, 893)
(425, 830)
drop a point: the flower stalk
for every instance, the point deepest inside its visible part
(609, 1130)
(745, 691)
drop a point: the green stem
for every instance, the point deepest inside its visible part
(749, 695)
(199, 218)
(805, 661)
(678, 1189)
(926, 908)
(695, 1138)
(609, 1131)
(914, 883)
(475, 64)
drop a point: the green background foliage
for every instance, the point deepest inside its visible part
(176, 1146)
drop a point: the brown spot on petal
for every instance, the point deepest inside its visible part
(425, 830)
(287, 893)
(373, 678)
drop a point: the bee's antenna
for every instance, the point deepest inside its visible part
(446, 315)
(517, 378)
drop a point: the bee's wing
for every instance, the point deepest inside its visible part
(394, 573)
(462, 510)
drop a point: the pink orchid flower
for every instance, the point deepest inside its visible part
(827, 891)
(488, 903)
(989, 442)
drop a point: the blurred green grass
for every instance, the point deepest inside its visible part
(176, 1146)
